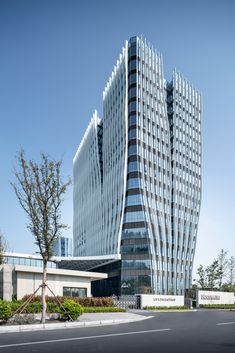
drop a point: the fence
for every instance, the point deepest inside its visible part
(127, 301)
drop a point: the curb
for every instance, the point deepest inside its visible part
(39, 327)
(172, 311)
(214, 309)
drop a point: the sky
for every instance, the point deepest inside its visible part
(55, 59)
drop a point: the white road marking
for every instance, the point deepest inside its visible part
(226, 323)
(82, 338)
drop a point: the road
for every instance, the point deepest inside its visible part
(191, 332)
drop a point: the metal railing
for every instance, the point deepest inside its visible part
(126, 301)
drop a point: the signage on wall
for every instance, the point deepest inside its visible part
(161, 300)
(212, 297)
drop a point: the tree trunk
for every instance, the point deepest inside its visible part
(44, 303)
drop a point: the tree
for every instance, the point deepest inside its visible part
(231, 271)
(213, 273)
(202, 281)
(3, 246)
(226, 287)
(39, 189)
(223, 264)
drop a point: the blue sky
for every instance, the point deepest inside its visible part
(56, 57)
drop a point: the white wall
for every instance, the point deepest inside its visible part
(161, 300)
(28, 282)
(213, 297)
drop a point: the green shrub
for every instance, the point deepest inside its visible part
(217, 306)
(71, 309)
(53, 307)
(166, 308)
(15, 305)
(5, 310)
(86, 301)
(104, 309)
(33, 308)
(97, 302)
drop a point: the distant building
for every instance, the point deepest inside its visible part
(63, 247)
(137, 175)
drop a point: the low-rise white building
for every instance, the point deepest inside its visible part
(18, 280)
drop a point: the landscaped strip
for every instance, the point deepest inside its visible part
(170, 308)
(58, 308)
(218, 306)
(104, 309)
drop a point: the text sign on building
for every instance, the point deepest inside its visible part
(213, 297)
(161, 300)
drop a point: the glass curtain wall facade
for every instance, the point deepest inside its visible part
(62, 247)
(147, 161)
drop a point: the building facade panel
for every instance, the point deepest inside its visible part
(87, 197)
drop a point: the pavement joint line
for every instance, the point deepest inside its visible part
(226, 323)
(79, 324)
(82, 338)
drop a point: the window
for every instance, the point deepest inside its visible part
(134, 216)
(74, 292)
(132, 150)
(136, 264)
(130, 249)
(132, 167)
(134, 233)
(132, 120)
(134, 200)
(132, 92)
(132, 134)
(132, 65)
(132, 50)
(132, 107)
(133, 183)
(132, 79)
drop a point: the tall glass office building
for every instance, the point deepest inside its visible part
(137, 175)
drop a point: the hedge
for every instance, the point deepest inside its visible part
(73, 306)
(217, 306)
(35, 307)
(5, 310)
(104, 309)
(166, 308)
(86, 302)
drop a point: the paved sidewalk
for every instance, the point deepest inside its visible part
(87, 319)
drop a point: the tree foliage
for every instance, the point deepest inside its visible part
(231, 271)
(214, 276)
(3, 247)
(223, 263)
(40, 189)
(213, 273)
(202, 281)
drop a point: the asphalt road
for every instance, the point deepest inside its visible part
(191, 332)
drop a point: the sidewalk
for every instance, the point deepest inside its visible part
(86, 320)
